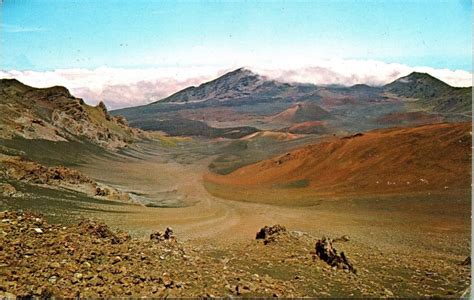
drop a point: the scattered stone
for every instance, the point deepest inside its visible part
(102, 192)
(53, 279)
(81, 261)
(116, 259)
(38, 230)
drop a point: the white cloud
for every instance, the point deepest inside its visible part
(350, 72)
(122, 87)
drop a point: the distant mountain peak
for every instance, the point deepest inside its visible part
(238, 83)
(419, 86)
(237, 74)
(420, 78)
(242, 70)
(419, 74)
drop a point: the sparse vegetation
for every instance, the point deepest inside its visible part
(402, 195)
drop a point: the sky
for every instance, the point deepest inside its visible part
(134, 52)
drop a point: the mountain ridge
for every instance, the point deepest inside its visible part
(54, 114)
(252, 99)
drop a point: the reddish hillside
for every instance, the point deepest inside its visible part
(391, 161)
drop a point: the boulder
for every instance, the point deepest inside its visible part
(326, 252)
(270, 233)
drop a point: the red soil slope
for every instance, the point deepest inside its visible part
(402, 160)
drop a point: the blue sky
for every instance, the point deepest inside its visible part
(134, 52)
(45, 35)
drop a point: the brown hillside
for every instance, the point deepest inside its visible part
(391, 161)
(302, 112)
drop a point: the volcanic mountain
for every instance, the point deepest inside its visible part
(242, 98)
(437, 156)
(237, 84)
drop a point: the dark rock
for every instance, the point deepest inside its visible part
(268, 231)
(159, 236)
(326, 252)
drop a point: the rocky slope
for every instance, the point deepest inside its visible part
(54, 114)
(38, 259)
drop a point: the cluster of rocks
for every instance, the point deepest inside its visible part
(20, 169)
(38, 259)
(270, 234)
(324, 249)
(159, 236)
(31, 172)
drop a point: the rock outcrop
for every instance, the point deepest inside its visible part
(326, 252)
(270, 234)
(54, 114)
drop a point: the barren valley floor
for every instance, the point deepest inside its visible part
(402, 245)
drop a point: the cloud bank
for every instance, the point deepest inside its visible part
(123, 87)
